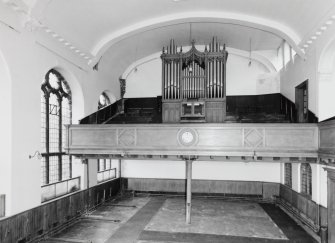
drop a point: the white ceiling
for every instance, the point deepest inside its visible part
(89, 22)
(136, 28)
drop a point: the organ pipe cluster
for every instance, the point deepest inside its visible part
(194, 74)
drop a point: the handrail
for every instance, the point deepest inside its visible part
(103, 114)
(121, 106)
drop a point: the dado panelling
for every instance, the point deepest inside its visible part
(195, 139)
(327, 139)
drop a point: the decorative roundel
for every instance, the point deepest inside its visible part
(187, 136)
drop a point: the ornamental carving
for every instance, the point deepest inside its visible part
(253, 137)
(126, 137)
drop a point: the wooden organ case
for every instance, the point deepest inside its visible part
(194, 84)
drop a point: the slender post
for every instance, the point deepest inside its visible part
(188, 190)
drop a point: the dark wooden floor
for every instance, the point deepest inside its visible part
(161, 219)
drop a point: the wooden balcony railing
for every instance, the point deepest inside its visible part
(267, 140)
(327, 139)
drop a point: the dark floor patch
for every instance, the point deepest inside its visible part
(158, 236)
(130, 231)
(291, 229)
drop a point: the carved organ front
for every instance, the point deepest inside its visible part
(194, 83)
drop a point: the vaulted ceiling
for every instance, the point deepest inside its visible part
(95, 26)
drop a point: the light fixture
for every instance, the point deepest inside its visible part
(313, 37)
(37, 153)
(318, 33)
(305, 45)
(323, 27)
(309, 41)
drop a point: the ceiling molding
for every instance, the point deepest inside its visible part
(276, 28)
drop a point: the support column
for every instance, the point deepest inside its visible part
(330, 203)
(188, 190)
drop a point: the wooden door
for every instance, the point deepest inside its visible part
(301, 102)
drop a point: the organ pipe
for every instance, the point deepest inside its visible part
(205, 81)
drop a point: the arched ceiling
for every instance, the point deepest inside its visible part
(97, 26)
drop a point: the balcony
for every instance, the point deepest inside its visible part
(204, 141)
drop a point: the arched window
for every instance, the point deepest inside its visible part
(288, 174)
(56, 112)
(103, 100)
(306, 179)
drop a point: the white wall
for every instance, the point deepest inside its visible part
(326, 105)
(320, 98)
(204, 170)
(145, 80)
(5, 131)
(29, 56)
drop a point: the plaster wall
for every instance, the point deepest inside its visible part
(5, 128)
(27, 56)
(242, 79)
(320, 98)
(204, 170)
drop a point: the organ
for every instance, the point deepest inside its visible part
(194, 83)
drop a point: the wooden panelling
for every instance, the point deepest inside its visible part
(171, 112)
(331, 204)
(277, 140)
(269, 103)
(264, 190)
(270, 190)
(215, 111)
(41, 220)
(302, 207)
(323, 216)
(2, 205)
(327, 141)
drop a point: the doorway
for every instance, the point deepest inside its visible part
(301, 102)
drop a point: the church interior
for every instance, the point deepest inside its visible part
(167, 121)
